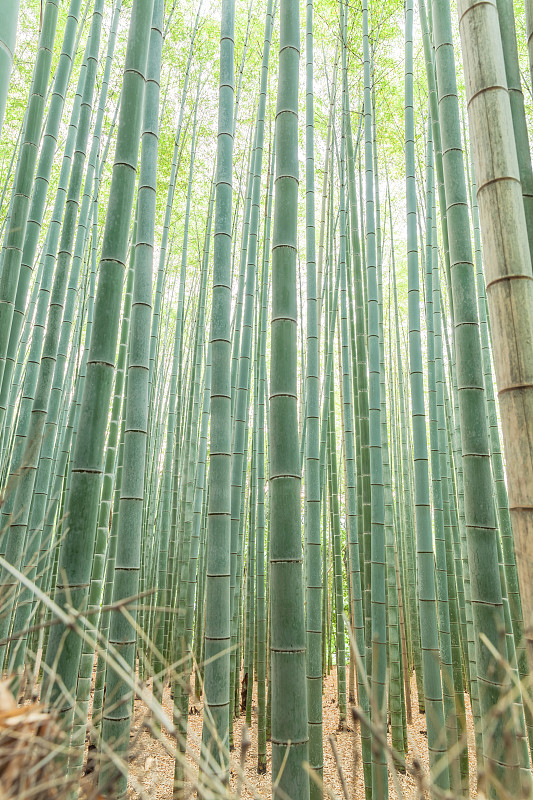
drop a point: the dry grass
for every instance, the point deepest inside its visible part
(31, 751)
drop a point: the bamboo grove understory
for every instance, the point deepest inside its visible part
(266, 383)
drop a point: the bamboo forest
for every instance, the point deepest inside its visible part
(266, 399)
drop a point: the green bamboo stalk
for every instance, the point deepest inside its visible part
(54, 322)
(188, 548)
(487, 603)
(361, 424)
(215, 734)
(237, 317)
(9, 12)
(101, 666)
(122, 631)
(312, 463)
(394, 664)
(25, 448)
(108, 516)
(528, 8)
(261, 511)
(243, 379)
(249, 622)
(174, 450)
(449, 690)
(72, 31)
(14, 237)
(289, 696)
(377, 642)
(78, 543)
(83, 693)
(200, 599)
(333, 488)
(197, 542)
(406, 544)
(18, 376)
(193, 573)
(88, 205)
(516, 100)
(424, 538)
(429, 58)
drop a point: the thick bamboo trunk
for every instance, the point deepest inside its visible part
(289, 688)
(507, 268)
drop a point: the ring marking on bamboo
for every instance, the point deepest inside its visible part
(514, 387)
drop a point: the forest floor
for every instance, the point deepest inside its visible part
(152, 765)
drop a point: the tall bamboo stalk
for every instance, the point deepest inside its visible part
(215, 735)
(289, 694)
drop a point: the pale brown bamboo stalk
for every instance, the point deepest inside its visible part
(508, 271)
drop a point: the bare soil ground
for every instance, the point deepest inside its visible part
(152, 765)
